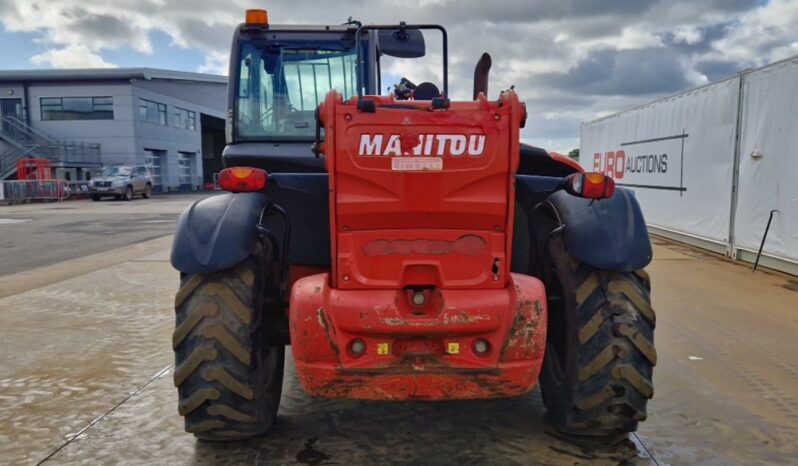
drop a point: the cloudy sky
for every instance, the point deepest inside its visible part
(570, 60)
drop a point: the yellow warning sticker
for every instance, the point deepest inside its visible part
(383, 348)
(453, 348)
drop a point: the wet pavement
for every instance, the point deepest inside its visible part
(86, 361)
(726, 383)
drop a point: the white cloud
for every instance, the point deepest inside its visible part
(89, 27)
(71, 56)
(529, 41)
(563, 145)
(689, 35)
(762, 35)
(215, 63)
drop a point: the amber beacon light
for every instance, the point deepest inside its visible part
(257, 17)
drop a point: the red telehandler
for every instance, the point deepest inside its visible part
(406, 247)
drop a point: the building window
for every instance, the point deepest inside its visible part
(77, 108)
(185, 119)
(152, 112)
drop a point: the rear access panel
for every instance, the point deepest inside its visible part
(421, 196)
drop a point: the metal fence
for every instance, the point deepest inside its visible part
(22, 191)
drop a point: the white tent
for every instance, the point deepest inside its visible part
(709, 165)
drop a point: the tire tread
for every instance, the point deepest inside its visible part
(609, 380)
(215, 337)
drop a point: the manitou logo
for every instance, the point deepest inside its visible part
(421, 144)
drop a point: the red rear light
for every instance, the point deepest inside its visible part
(242, 179)
(590, 185)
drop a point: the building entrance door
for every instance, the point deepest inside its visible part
(155, 160)
(10, 108)
(185, 163)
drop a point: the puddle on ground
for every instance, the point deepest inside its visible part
(12, 221)
(791, 285)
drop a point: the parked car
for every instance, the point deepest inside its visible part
(122, 182)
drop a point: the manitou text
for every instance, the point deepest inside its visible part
(439, 145)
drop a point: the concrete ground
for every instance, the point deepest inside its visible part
(86, 362)
(35, 235)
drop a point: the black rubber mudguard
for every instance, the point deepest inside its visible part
(609, 234)
(220, 231)
(217, 232)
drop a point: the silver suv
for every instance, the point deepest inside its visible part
(122, 182)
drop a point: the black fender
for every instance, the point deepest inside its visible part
(609, 234)
(217, 232)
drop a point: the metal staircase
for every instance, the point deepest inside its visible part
(24, 141)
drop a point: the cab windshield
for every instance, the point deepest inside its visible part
(281, 84)
(116, 171)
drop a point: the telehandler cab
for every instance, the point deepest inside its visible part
(406, 246)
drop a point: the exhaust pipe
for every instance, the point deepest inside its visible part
(481, 75)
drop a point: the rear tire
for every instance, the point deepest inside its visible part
(147, 191)
(229, 381)
(597, 373)
(95, 198)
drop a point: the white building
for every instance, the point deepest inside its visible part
(87, 118)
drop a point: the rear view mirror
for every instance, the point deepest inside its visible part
(401, 43)
(590, 185)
